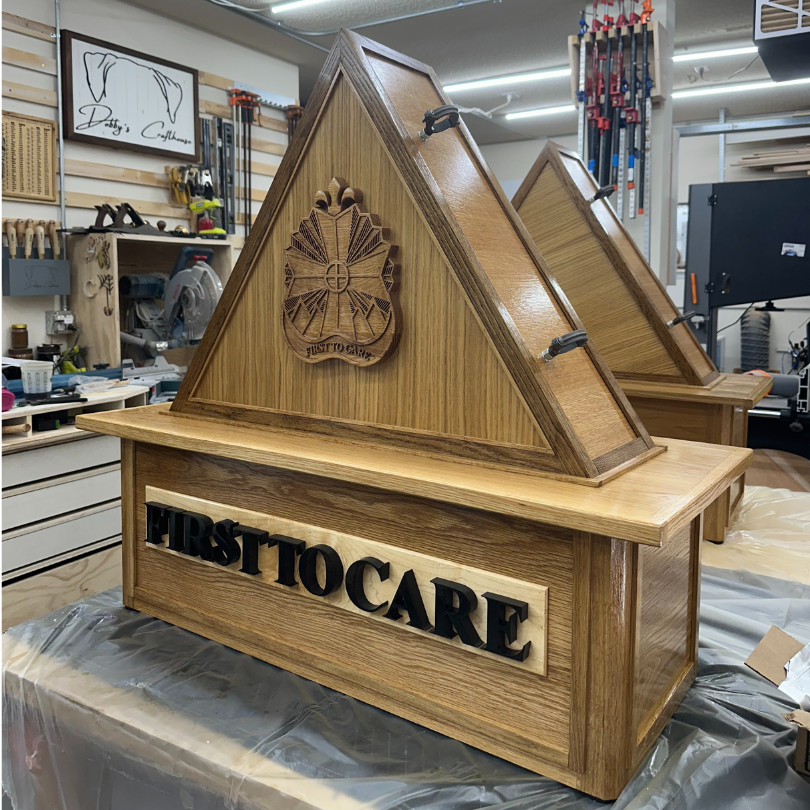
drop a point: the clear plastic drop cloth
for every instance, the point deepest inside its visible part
(109, 709)
(769, 534)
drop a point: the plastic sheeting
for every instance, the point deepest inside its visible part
(109, 709)
(770, 535)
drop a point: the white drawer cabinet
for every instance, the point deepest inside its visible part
(61, 509)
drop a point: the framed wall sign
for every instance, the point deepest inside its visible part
(118, 97)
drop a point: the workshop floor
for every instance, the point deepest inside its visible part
(775, 468)
(770, 533)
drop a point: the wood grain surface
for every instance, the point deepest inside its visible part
(351, 548)
(443, 681)
(615, 292)
(468, 364)
(646, 504)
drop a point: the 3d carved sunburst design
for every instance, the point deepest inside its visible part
(340, 282)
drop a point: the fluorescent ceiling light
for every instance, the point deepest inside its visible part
(518, 78)
(696, 57)
(542, 111)
(736, 88)
(294, 5)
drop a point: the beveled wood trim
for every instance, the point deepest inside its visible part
(580, 652)
(552, 156)
(620, 455)
(129, 524)
(658, 497)
(470, 450)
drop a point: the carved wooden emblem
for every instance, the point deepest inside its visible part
(340, 299)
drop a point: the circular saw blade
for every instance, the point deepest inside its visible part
(192, 296)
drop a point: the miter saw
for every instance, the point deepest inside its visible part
(169, 311)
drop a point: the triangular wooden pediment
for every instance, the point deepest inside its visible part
(623, 305)
(388, 293)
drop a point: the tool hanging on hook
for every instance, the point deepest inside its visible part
(644, 103)
(582, 94)
(631, 115)
(604, 120)
(246, 103)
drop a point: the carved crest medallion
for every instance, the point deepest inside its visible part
(340, 297)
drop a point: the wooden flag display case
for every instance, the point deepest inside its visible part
(669, 379)
(372, 477)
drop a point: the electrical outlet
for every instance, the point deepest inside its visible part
(59, 322)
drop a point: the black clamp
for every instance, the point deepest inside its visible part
(605, 191)
(565, 343)
(438, 120)
(687, 316)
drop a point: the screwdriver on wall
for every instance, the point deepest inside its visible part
(11, 235)
(29, 237)
(39, 234)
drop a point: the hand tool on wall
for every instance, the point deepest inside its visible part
(29, 238)
(643, 102)
(39, 235)
(54, 239)
(11, 235)
(617, 90)
(19, 227)
(604, 120)
(593, 108)
(227, 169)
(631, 118)
(582, 96)
(247, 105)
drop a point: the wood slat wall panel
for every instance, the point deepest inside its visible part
(30, 61)
(24, 92)
(31, 28)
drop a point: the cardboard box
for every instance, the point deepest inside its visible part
(769, 659)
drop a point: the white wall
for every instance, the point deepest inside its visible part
(698, 162)
(133, 27)
(511, 161)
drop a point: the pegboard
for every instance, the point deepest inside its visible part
(29, 164)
